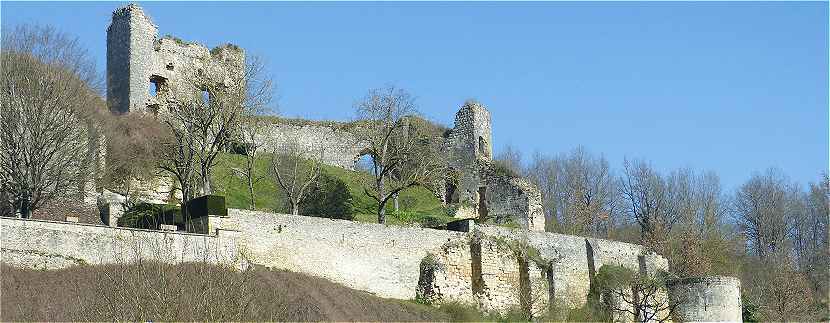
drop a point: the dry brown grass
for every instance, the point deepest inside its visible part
(149, 291)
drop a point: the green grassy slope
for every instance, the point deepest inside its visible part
(417, 205)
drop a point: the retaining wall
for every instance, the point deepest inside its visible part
(43, 244)
(480, 267)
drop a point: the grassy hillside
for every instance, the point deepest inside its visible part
(417, 205)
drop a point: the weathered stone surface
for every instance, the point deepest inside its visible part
(492, 195)
(339, 146)
(51, 245)
(144, 72)
(482, 267)
(708, 299)
(380, 259)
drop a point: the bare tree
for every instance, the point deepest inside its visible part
(700, 209)
(295, 170)
(203, 125)
(403, 149)
(544, 171)
(179, 157)
(51, 46)
(640, 296)
(135, 145)
(646, 300)
(765, 207)
(777, 292)
(588, 196)
(579, 190)
(48, 111)
(511, 158)
(649, 202)
(810, 236)
(253, 125)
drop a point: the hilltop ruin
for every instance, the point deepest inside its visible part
(474, 263)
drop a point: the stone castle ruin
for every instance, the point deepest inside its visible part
(144, 73)
(474, 262)
(476, 187)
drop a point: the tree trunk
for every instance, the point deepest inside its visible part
(395, 200)
(206, 190)
(25, 209)
(251, 190)
(295, 208)
(381, 201)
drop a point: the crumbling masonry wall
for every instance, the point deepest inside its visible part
(469, 141)
(561, 274)
(512, 199)
(491, 194)
(339, 146)
(145, 73)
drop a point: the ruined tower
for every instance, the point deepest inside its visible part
(130, 39)
(481, 189)
(145, 73)
(470, 144)
(472, 133)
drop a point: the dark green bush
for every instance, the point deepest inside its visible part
(150, 216)
(329, 198)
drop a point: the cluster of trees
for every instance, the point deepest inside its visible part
(771, 232)
(49, 103)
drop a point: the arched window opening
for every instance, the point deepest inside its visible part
(158, 85)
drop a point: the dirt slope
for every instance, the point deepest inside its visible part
(190, 292)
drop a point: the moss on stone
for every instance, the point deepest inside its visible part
(178, 40)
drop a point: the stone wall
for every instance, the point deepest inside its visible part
(339, 146)
(394, 262)
(43, 244)
(512, 199)
(495, 268)
(383, 260)
(469, 141)
(708, 299)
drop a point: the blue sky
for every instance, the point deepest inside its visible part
(729, 87)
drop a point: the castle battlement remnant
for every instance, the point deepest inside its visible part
(145, 73)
